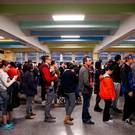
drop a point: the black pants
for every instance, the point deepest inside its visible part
(106, 113)
(98, 98)
(128, 107)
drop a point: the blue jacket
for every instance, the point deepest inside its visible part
(127, 79)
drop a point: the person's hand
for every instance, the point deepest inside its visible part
(15, 77)
(130, 94)
(56, 75)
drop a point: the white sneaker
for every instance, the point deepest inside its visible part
(43, 103)
(109, 121)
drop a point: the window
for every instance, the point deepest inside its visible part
(20, 57)
(32, 56)
(67, 56)
(78, 57)
(104, 57)
(113, 54)
(56, 56)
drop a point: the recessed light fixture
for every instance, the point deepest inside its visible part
(79, 17)
(70, 36)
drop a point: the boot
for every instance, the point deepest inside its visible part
(70, 118)
(67, 120)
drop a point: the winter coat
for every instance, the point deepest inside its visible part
(107, 90)
(29, 86)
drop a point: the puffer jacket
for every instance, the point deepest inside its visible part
(107, 90)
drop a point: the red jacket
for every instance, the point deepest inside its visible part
(46, 75)
(12, 72)
(107, 90)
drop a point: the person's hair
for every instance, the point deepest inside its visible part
(85, 59)
(108, 66)
(13, 64)
(44, 58)
(117, 57)
(98, 65)
(70, 65)
(52, 62)
(61, 62)
(29, 67)
(3, 63)
(129, 56)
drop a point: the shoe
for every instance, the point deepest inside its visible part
(11, 123)
(117, 110)
(29, 117)
(98, 109)
(7, 126)
(52, 117)
(109, 121)
(71, 119)
(33, 114)
(67, 120)
(43, 103)
(89, 122)
(128, 121)
(49, 120)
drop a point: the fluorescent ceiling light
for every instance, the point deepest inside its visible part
(68, 26)
(1, 37)
(68, 17)
(132, 40)
(70, 36)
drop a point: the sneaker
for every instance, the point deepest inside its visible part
(52, 117)
(128, 121)
(117, 110)
(29, 117)
(43, 103)
(33, 114)
(98, 109)
(49, 120)
(89, 122)
(7, 126)
(109, 121)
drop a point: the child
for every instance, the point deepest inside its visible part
(107, 91)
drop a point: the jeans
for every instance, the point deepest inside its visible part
(50, 98)
(29, 105)
(117, 90)
(4, 102)
(69, 103)
(85, 110)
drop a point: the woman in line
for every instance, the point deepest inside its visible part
(5, 82)
(30, 90)
(68, 82)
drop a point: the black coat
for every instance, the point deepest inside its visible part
(29, 86)
(68, 81)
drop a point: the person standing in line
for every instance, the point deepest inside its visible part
(30, 90)
(127, 88)
(48, 79)
(98, 72)
(86, 89)
(5, 82)
(117, 82)
(68, 82)
(107, 92)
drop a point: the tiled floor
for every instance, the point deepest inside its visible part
(38, 127)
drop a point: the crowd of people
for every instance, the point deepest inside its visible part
(71, 82)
